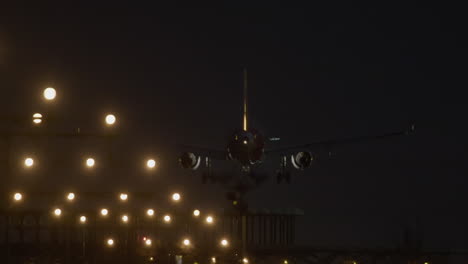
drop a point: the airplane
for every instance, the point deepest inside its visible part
(247, 147)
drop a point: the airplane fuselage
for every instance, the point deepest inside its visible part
(246, 147)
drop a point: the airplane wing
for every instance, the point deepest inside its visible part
(334, 142)
(213, 153)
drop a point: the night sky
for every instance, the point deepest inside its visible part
(174, 76)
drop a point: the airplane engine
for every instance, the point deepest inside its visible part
(302, 160)
(189, 160)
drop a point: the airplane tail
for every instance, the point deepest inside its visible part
(245, 100)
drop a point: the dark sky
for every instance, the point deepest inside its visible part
(326, 70)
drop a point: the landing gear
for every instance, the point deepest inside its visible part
(283, 173)
(207, 174)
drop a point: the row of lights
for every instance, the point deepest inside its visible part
(185, 242)
(18, 197)
(90, 162)
(110, 119)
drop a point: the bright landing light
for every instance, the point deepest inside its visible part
(224, 243)
(124, 218)
(104, 212)
(28, 162)
(176, 197)
(17, 197)
(167, 218)
(151, 163)
(150, 212)
(70, 196)
(209, 219)
(90, 162)
(196, 213)
(110, 119)
(148, 242)
(57, 212)
(82, 219)
(50, 93)
(123, 197)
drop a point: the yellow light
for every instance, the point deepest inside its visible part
(110, 119)
(90, 162)
(285, 261)
(57, 212)
(50, 93)
(148, 242)
(110, 242)
(17, 197)
(151, 258)
(245, 260)
(186, 242)
(150, 212)
(209, 219)
(82, 219)
(124, 218)
(70, 196)
(196, 213)
(167, 218)
(213, 260)
(37, 115)
(245, 142)
(37, 121)
(176, 197)
(224, 243)
(123, 197)
(151, 163)
(28, 162)
(104, 212)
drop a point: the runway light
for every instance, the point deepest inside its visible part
(151, 163)
(110, 119)
(57, 212)
(123, 197)
(176, 197)
(224, 242)
(148, 242)
(285, 261)
(167, 218)
(28, 162)
(71, 196)
(150, 212)
(186, 242)
(90, 162)
(151, 258)
(50, 93)
(17, 197)
(209, 219)
(124, 218)
(245, 260)
(104, 212)
(196, 213)
(37, 118)
(82, 219)
(110, 242)
(213, 260)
